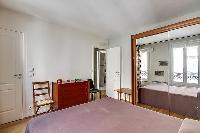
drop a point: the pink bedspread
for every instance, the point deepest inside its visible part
(104, 116)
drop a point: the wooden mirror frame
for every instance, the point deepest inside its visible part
(156, 31)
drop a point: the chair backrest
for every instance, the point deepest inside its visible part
(91, 84)
(42, 87)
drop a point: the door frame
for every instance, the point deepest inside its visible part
(23, 62)
(98, 67)
(99, 45)
(178, 25)
(24, 77)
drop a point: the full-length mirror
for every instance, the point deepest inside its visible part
(168, 66)
(184, 71)
(153, 71)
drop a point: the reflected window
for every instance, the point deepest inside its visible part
(178, 64)
(190, 75)
(192, 64)
(144, 65)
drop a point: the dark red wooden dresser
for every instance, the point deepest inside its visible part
(67, 94)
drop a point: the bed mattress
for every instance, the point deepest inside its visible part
(179, 100)
(185, 91)
(104, 116)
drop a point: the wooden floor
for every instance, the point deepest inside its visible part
(14, 127)
(163, 111)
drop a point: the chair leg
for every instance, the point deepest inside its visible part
(100, 94)
(34, 108)
(37, 110)
(51, 107)
(92, 96)
(118, 95)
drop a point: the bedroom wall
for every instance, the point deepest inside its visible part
(160, 52)
(124, 41)
(53, 51)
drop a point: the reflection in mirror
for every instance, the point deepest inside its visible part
(184, 76)
(153, 72)
(168, 66)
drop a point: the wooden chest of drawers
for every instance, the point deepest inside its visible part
(67, 94)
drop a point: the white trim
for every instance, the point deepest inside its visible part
(24, 63)
(98, 68)
(92, 71)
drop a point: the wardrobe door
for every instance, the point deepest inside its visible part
(153, 72)
(184, 72)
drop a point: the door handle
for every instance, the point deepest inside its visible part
(19, 76)
(117, 73)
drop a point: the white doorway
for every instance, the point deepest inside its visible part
(113, 72)
(99, 68)
(11, 70)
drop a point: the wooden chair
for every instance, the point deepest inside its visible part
(41, 96)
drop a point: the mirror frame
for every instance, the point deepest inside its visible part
(179, 25)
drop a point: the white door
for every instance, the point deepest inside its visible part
(113, 71)
(10, 76)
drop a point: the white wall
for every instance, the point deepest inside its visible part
(124, 43)
(160, 52)
(53, 51)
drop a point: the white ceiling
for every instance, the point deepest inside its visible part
(106, 18)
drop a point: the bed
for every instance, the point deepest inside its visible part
(181, 100)
(104, 116)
